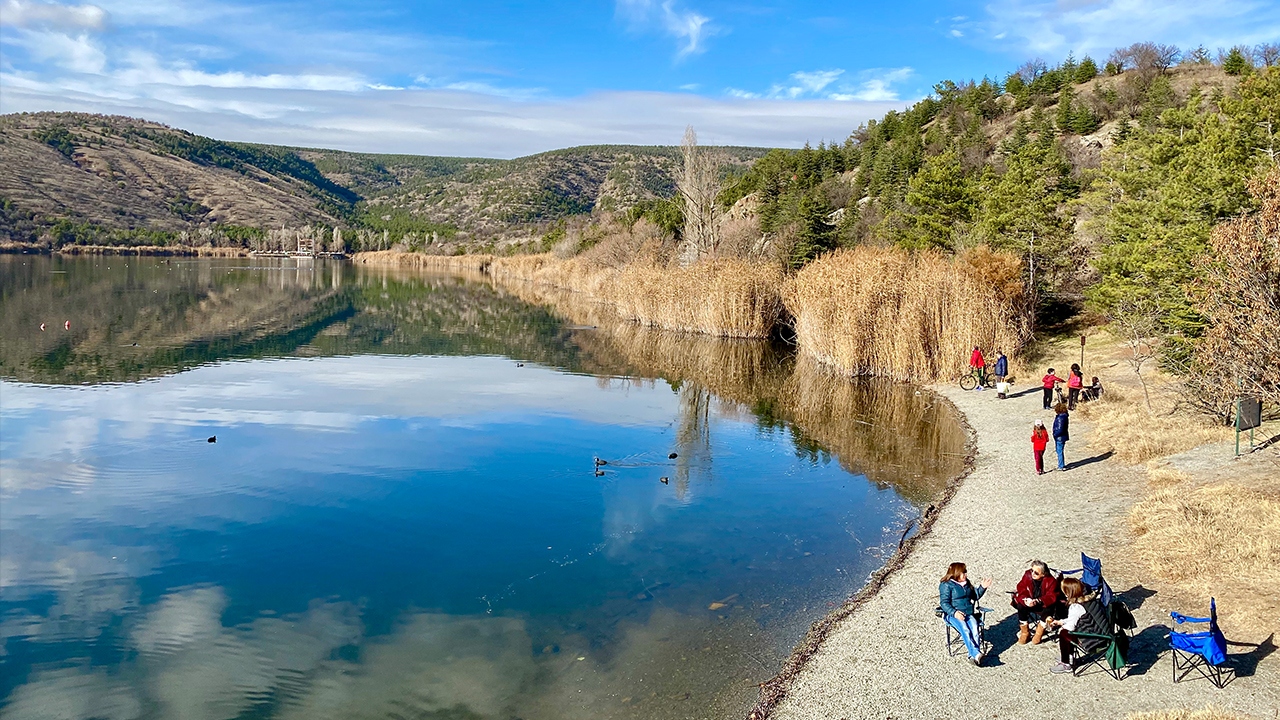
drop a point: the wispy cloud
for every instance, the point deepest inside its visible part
(41, 15)
(441, 121)
(874, 85)
(1055, 27)
(689, 27)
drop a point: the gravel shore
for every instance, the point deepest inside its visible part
(886, 659)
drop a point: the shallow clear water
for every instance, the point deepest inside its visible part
(402, 515)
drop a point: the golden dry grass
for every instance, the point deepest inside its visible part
(725, 298)
(913, 316)
(1208, 713)
(1217, 529)
(1136, 435)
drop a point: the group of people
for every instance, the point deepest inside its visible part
(1042, 601)
(1076, 390)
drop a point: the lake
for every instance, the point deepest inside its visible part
(430, 496)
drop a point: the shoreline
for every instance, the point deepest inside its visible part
(775, 690)
(880, 654)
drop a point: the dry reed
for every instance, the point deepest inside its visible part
(422, 261)
(912, 316)
(725, 298)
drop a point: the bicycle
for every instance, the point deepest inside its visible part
(970, 381)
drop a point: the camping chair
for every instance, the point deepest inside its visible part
(952, 642)
(1108, 650)
(1204, 651)
(1091, 576)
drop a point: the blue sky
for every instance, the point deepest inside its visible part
(506, 79)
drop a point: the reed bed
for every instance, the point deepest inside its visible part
(722, 298)
(911, 316)
(422, 261)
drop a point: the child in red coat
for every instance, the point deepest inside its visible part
(1039, 441)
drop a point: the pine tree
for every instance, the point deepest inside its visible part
(1065, 113)
(939, 203)
(1086, 70)
(1235, 62)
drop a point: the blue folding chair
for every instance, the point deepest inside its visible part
(1091, 575)
(1204, 651)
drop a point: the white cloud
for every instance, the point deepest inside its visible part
(27, 14)
(439, 121)
(1053, 28)
(689, 27)
(875, 85)
(806, 84)
(79, 53)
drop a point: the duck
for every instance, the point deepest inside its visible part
(664, 480)
(212, 439)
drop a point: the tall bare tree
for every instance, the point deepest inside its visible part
(699, 184)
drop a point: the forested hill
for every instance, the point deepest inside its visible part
(93, 179)
(1105, 176)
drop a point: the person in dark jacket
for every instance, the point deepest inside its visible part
(958, 599)
(1002, 366)
(1061, 433)
(1036, 601)
(1084, 615)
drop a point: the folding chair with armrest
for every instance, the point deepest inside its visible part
(1204, 651)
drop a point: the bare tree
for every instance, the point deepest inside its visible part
(1267, 53)
(1137, 322)
(699, 184)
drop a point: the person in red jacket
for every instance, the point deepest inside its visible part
(1050, 381)
(1037, 601)
(1039, 441)
(979, 365)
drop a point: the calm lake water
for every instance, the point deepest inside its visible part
(402, 516)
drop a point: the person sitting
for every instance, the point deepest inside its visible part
(958, 599)
(1036, 601)
(1083, 615)
(1094, 391)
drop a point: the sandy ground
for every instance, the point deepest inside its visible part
(887, 660)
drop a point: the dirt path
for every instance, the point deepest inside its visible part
(886, 660)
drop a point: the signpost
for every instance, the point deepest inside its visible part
(1248, 417)
(1082, 355)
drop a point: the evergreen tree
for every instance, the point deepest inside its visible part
(939, 203)
(1236, 62)
(1065, 115)
(814, 235)
(1086, 70)
(1160, 191)
(1024, 207)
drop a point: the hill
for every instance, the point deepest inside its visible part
(93, 179)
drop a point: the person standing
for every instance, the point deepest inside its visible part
(1039, 441)
(979, 365)
(958, 599)
(1050, 381)
(1075, 381)
(1061, 433)
(1002, 366)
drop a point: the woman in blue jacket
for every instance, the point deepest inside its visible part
(1061, 433)
(958, 599)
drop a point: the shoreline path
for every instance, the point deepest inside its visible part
(886, 659)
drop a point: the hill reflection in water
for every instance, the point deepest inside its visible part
(397, 519)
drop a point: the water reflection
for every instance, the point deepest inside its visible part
(398, 520)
